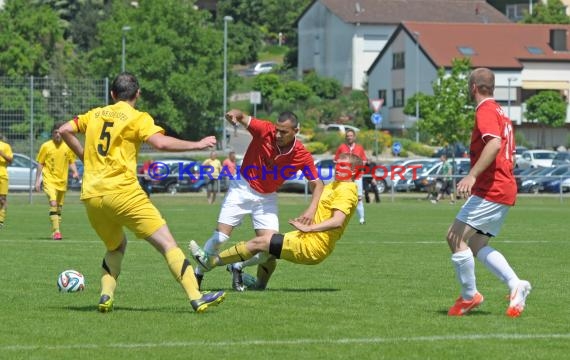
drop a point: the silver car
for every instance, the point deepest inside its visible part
(19, 171)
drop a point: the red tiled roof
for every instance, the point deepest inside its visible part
(396, 11)
(495, 45)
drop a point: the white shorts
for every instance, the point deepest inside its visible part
(359, 186)
(485, 216)
(241, 200)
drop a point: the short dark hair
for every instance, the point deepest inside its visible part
(289, 115)
(57, 125)
(125, 86)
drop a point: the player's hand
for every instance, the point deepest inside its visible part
(299, 225)
(235, 116)
(207, 142)
(464, 186)
(305, 219)
(37, 187)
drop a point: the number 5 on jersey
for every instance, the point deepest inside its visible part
(105, 138)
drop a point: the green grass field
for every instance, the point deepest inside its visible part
(383, 293)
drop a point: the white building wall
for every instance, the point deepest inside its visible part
(367, 43)
(556, 72)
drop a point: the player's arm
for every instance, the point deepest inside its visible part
(333, 222)
(488, 156)
(308, 215)
(163, 142)
(73, 168)
(39, 176)
(67, 132)
(6, 157)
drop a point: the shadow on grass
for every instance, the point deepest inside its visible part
(93, 308)
(472, 313)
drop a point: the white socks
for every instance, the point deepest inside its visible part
(360, 210)
(259, 258)
(464, 264)
(212, 246)
(496, 262)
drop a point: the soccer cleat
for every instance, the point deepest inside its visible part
(199, 278)
(57, 235)
(249, 281)
(237, 280)
(208, 298)
(200, 255)
(362, 222)
(105, 304)
(518, 299)
(462, 307)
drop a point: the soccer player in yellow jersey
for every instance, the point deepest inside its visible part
(112, 194)
(213, 166)
(309, 244)
(6, 158)
(55, 159)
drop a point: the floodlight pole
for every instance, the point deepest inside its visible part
(124, 30)
(417, 36)
(225, 105)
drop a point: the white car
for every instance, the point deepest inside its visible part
(263, 67)
(340, 128)
(19, 171)
(536, 158)
(325, 169)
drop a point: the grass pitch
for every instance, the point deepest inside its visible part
(383, 293)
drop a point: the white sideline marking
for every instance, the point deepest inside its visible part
(374, 340)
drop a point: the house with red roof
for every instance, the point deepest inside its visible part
(526, 59)
(341, 38)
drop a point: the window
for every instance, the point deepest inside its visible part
(398, 60)
(466, 50)
(382, 94)
(374, 43)
(398, 96)
(534, 50)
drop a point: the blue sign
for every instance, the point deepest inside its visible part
(396, 148)
(376, 119)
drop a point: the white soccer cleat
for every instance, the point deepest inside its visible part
(199, 255)
(518, 299)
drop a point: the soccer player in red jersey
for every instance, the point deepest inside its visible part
(491, 190)
(273, 155)
(351, 147)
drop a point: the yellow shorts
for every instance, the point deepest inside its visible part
(302, 248)
(108, 214)
(3, 185)
(53, 194)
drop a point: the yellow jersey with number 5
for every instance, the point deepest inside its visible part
(113, 135)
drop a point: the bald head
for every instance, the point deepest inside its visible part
(484, 81)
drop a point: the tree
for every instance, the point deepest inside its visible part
(175, 51)
(554, 12)
(31, 40)
(547, 108)
(447, 116)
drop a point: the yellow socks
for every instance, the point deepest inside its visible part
(54, 218)
(234, 254)
(111, 270)
(183, 273)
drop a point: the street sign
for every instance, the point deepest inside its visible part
(376, 104)
(376, 119)
(255, 97)
(396, 148)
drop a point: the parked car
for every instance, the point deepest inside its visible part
(524, 174)
(536, 158)
(407, 183)
(553, 182)
(561, 158)
(22, 173)
(397, 170)
(531, 184)
(325, 168)
(198, 182)
(519, 150)
(75, 184)
(430, 179)
(263, 67)
(341, 128)
(165, 174)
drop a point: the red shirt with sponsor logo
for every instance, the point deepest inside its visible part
(265, 167)
(497, 182)
(355, 149)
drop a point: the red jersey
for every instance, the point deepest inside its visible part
(497, 182)
(356, 149)
(265, 168)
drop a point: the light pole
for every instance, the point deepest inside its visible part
(509, 96)
(530, 7)
(226, 19)
(124, 30)
(417, 36)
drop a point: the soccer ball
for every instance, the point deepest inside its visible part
(70, 281)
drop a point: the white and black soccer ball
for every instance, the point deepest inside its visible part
(70, 281)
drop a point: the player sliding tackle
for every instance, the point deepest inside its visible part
(309, 244)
